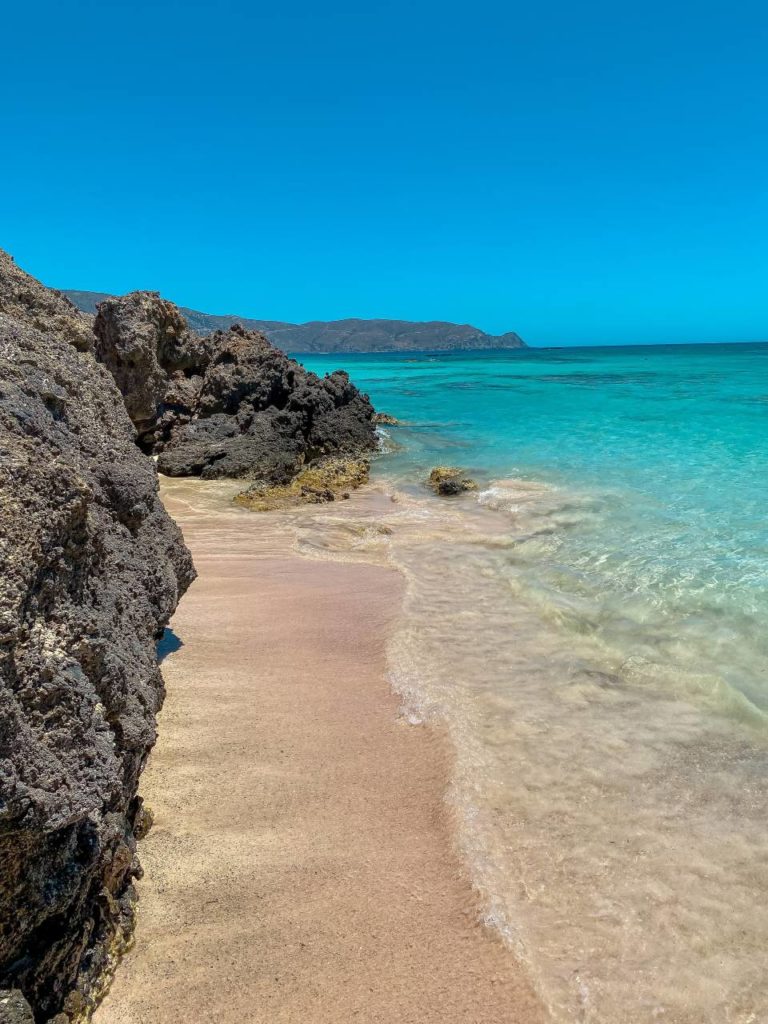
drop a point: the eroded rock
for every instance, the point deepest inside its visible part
(26, 300)
(449, 480)
(91, 569)
(229, 405)
(143, 340)
(329, 480)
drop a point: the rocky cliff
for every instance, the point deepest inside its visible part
(350, 335)
(228, 405)
(91, 569)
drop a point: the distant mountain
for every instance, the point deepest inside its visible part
(351, 335)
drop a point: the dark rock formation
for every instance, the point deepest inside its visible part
(91, 568)
(145, 344)
(351, 335)
(25, 299)
(448, 480)
(230, 405)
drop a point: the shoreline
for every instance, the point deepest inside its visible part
(301, 866)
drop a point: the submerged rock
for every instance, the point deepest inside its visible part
(327, 481)
(448, 480)
(228, 405)
(91, 569)
(384, 419)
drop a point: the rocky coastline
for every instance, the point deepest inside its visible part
(228, 405)
(91, 570)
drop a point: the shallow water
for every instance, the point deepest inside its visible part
(592, 627)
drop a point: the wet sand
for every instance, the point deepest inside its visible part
(301, 867)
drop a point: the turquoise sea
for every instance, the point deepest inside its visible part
(592, 627)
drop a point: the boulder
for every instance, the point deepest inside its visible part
(449, 480)
(142, 340)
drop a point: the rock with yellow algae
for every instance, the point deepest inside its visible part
(325, 481)
(448, 480)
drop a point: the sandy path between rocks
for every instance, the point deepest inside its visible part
(300, 870)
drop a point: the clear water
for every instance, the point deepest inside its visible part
(591, 625)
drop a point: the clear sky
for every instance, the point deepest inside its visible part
(578, 172)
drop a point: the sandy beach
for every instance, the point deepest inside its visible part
(301, 865)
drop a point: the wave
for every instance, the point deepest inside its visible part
(608, 784)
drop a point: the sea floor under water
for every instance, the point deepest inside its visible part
(609, 785)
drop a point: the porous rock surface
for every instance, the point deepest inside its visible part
(328, 480)
(23, 298)
(91, 569)
(228, 405)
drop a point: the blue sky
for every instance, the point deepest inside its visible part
(581, 173)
